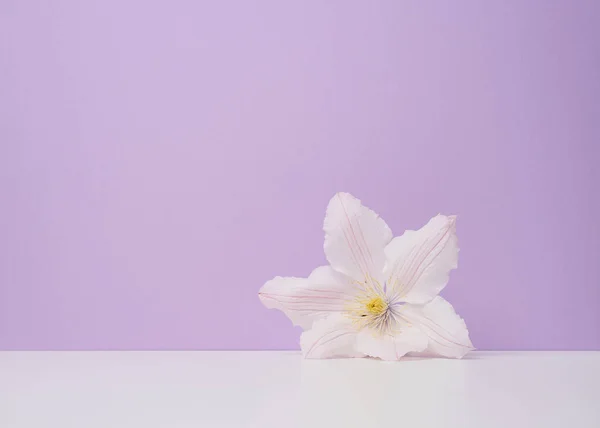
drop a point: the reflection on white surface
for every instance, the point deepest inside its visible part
(372, 393)
(280, 389)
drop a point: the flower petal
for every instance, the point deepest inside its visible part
(331, 337)
(305, 300)
(447, 331)
(355, 238)
(388, 346)
(419, 262)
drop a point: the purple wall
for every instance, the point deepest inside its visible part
(160, 160)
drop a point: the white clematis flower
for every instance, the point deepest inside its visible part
(379, 296)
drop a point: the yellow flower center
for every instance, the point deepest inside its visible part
(376, 305)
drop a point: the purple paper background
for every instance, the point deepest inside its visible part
(161, 160)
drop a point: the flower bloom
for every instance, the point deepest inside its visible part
(379, 295)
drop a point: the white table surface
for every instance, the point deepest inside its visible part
(280, 389)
